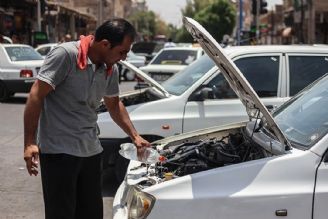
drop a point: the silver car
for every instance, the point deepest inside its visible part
(19, 64)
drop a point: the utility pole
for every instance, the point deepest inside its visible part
(39, 14)
(257, 20)
(311, 22)
(240, 28)
(100, 12)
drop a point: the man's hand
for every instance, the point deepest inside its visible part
(31, 157)
(139, 141)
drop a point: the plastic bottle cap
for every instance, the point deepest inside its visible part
(162, 158)
(168, 176)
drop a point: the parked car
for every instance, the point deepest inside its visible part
(19, 64)
(7, 40)
(44, 49)
(135, 60)
(169, 61)
(147, 49)
(268, 167)
(198, 97)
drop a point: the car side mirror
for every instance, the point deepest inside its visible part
(271, 108)
(201, 94)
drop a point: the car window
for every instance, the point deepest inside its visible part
(220, 88)
(176, 57)
(304, 70)
(44, 50)
(20, 53)
(179, 83)
(304, 119)
(262, 72)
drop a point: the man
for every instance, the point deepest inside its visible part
(60, 111)
(169, 43)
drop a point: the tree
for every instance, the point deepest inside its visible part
(217, 17)
(144, 22)
(150, 24)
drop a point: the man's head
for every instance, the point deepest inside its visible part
(68, 37)
(113, 40)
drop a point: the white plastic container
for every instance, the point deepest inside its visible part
(146, 155)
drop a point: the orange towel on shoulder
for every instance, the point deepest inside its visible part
(82, 56)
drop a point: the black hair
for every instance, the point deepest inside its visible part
(114, 30)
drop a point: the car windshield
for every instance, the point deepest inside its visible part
(179, 83)
(22, 53)
(304, 119)
(146, 47)
(175, 57)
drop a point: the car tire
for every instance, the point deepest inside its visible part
(4, 93)
(128, 75)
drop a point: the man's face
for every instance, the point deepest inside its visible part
(114, 54)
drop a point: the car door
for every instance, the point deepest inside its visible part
(320, 210)
(304, 69)
(221, 105)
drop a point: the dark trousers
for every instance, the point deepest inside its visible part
(71, 186)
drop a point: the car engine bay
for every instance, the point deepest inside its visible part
(204, 154)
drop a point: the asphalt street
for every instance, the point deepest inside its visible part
(21, 194)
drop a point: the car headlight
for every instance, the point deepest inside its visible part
(139, 204)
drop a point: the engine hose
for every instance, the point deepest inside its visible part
(202, 155)
(228, 155)
(183, 156)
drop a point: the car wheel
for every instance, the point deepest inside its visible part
(4, 93)
(128, 75)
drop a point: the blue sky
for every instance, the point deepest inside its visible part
(170, 10)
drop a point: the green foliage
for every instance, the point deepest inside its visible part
(149, 24)
(217, 17)
(144, 22)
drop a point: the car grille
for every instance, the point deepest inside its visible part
(160, 76)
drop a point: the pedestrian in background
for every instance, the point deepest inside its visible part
(61, 112)
(66, 38)
(169, 43)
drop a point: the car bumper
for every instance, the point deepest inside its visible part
(19, 86)
(120, 210)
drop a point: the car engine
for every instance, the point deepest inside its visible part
(189, 158)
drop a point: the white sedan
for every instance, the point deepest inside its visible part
(271, 166)
(44, 49)
(19, 64)
(169, 61)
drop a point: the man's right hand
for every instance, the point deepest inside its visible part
(31, 157)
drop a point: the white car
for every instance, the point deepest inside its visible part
(19, 64)
(135, 60)
(44, 49)
(199, 97)
(269, 167)
(169, 61)
(7, 40)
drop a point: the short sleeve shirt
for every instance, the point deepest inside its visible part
(68, 120)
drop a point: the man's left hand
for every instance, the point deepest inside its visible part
(140, 142)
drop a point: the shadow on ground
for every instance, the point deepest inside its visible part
(110, 184)
(15, 100)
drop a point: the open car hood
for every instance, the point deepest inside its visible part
(254, 107)
(145, 77)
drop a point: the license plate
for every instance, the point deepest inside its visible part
(160, 77)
